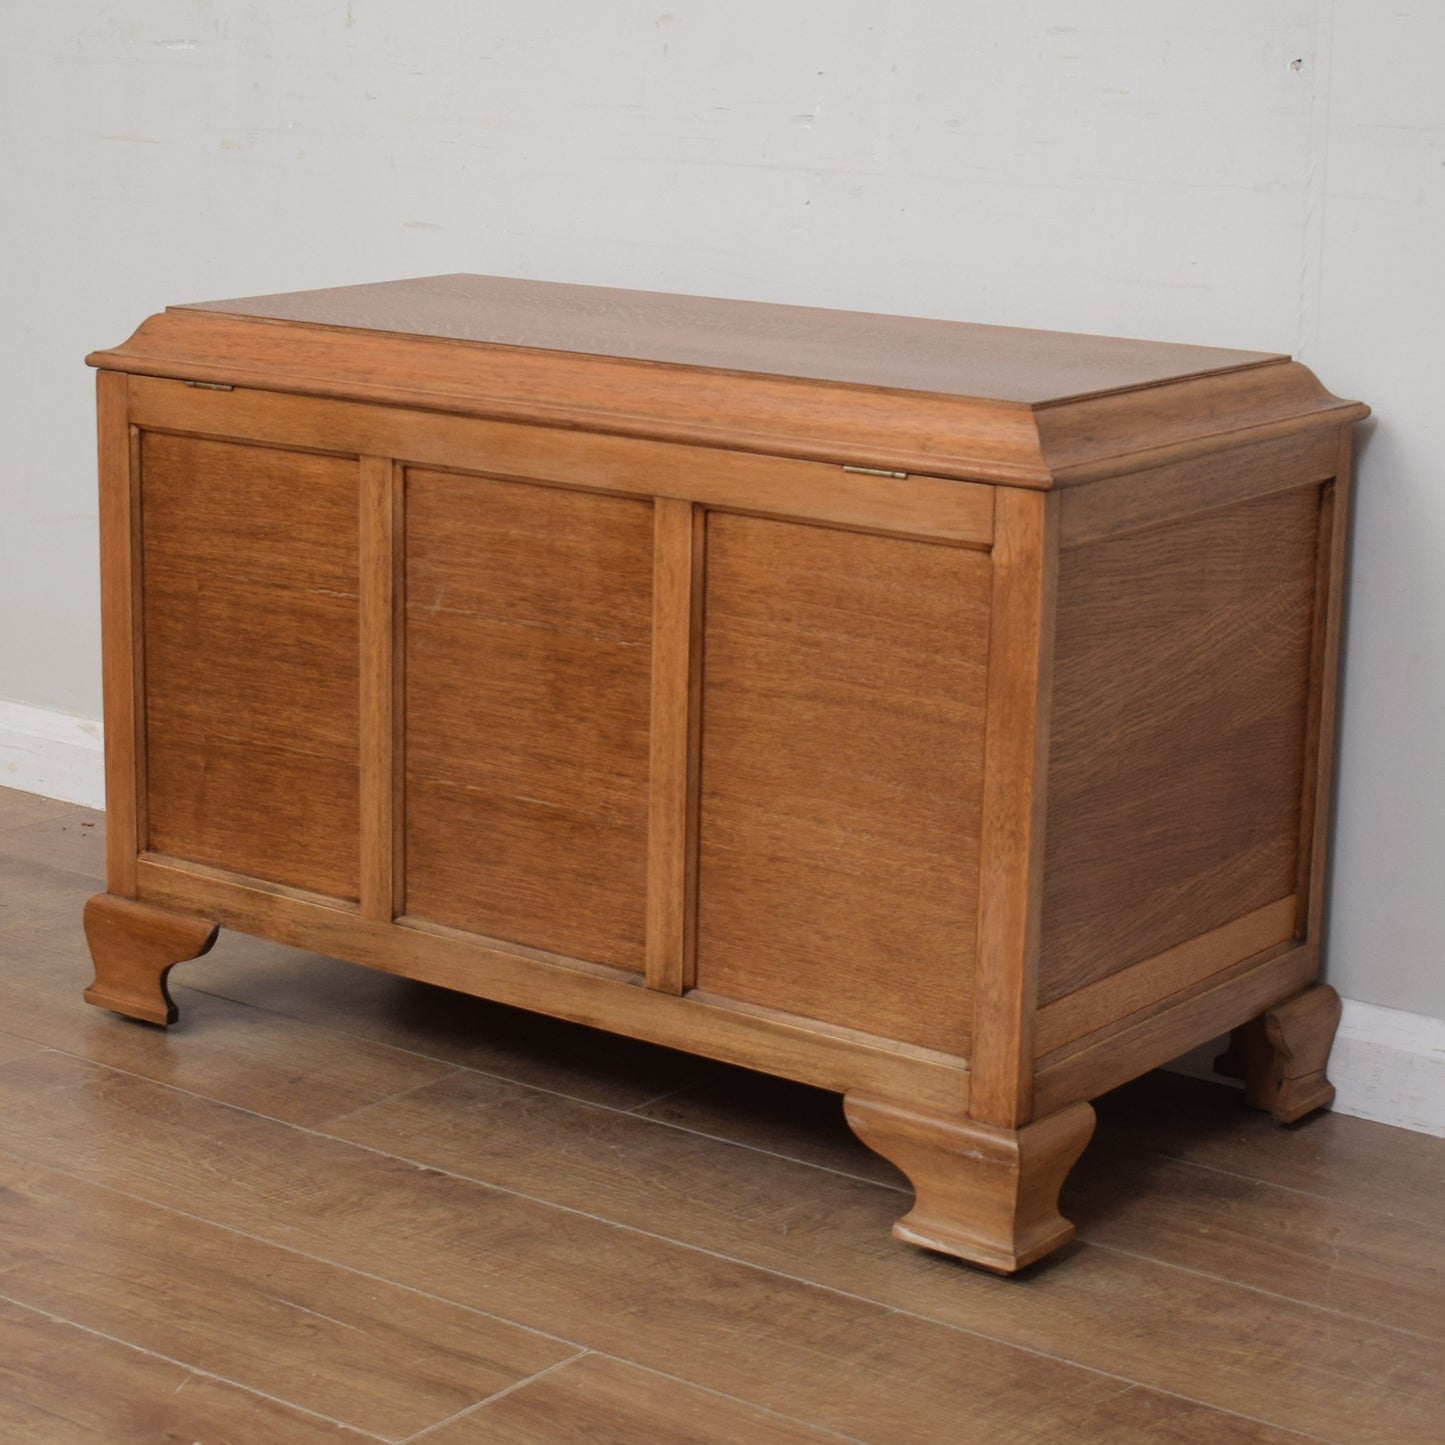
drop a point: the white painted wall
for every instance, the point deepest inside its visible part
(1257, 173)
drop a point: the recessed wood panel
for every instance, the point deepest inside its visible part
(249, 594)
(842, 765)
(1181, 676)
(528, 629)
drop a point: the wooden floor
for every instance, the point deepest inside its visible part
(332, 1205)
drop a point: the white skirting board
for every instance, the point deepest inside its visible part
(51, 753)
(1387, 1065)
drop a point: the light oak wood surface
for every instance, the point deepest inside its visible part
(134, 947)
(66, 1385)
(993, 404)
(1012, 1178)
(251, 669)
(1181, 689)
(841, 771)
(905, 353)
(526, 713)
(596, 1400)
(1231, 1281)
(934, 713)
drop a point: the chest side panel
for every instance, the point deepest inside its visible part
(527, 674)
(842, 764)
(249, 599)
(1181, 697)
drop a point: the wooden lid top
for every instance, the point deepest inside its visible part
(855, 348)
(941, 398)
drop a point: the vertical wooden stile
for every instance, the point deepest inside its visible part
(676, 704)
(379, 757)
(1016, 755)
(398, 689)
(122, 675)
(1324, 670)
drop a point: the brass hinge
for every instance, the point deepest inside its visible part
(874, 472)
(211, 385)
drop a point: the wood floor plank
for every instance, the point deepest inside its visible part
(600, 1401)
(1186, 1203)
(1168, 1327)
(18, 808)
(1321, 1251)
(40, 911)
(73, 840)
(12, 1046)
(493, 1038)
(60, 1384)
(1396, 1172)
(776, 1115)
(370, 1354)
(223, 1050)
(40, 903)
(840, 1362)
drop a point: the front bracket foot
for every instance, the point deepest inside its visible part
(1281, 1056)
(134, 946)
(982, 1193)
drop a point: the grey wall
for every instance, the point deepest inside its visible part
(1258, 173)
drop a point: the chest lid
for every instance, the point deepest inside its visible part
(1032, 408)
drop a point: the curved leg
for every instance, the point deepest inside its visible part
(984, 1194)
(1281, 1055)
(134, 946)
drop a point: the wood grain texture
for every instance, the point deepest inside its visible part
(380, 665)
(1180, 695)
(394, 1017)
(677, 599)
(231, 1052)
(1353, 1163)
(974, 438)
(1092, 439)
(134, 947)
(905, 353)
(834, 694)
(840, 1362)
(1231, 1226)
(1118, 1307)
(1151, 980)
(842, 767)
(1123, 1050)
(20, 810)
(1011, 854)
(73, 839)
(1282, 1055)
(984, 1194)
(527, 707)
(528, 978)
(595, 1400)
(1113, 506)
(1288, 1274)
(352, 1348)
(718, 475)
(251, 660)
(67, 1386)
(1324, 690)
(121, 638)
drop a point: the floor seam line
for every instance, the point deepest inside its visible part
(193, 1369)
(298, 1253)
(497, 1395)
(735, 1399)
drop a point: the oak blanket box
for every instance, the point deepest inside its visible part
(939, 714)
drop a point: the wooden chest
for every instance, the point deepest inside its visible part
(939, 714)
